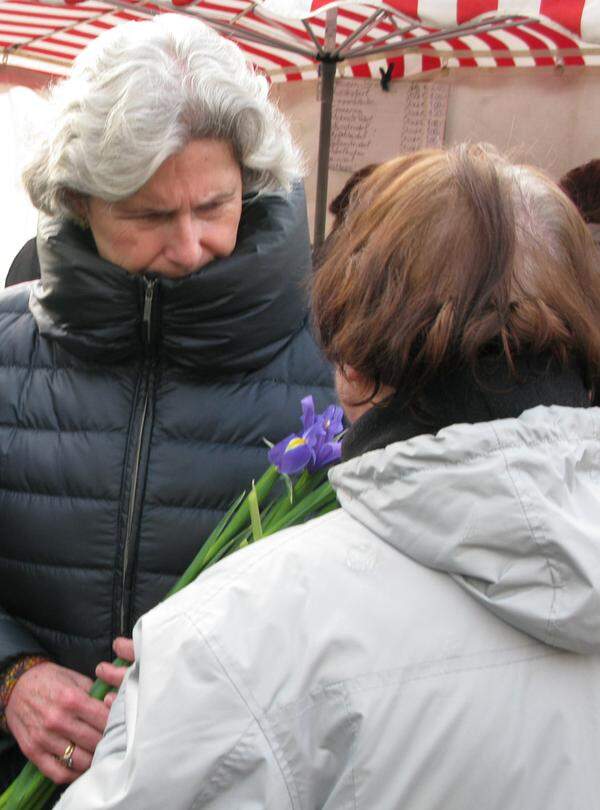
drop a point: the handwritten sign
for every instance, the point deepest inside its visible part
(370, 125)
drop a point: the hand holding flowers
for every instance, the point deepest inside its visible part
(252, 516)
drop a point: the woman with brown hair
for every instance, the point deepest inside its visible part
(456, 266)
(434, 643)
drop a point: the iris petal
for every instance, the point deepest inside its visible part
(308, 412)
(315, 447)
(295, 460)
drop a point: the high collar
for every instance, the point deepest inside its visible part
(234, 314)
(461, 396)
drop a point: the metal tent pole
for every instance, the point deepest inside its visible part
(328, 59)
(328, 67)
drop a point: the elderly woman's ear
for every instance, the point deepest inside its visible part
(78, 205)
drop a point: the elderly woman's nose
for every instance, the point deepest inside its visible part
(185, 242)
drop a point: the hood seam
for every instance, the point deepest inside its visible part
(554, 574)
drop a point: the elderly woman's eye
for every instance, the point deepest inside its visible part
(154, 216)
(208, 209)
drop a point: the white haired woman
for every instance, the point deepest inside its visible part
(166, 338)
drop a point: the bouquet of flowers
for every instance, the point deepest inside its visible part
(253, 515)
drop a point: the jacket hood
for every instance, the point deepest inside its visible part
(510, 509)
(235, 313)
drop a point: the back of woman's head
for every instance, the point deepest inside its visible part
(445, 256)
(139, 94)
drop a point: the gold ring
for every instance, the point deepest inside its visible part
(67, 757)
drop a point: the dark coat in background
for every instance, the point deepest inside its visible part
(132, 412)
(25, 266)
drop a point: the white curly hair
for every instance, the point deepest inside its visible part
(139, 94)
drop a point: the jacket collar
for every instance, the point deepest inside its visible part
(235, 314)
(462, 395)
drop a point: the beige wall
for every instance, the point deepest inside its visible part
(21, 110)
(544, 116)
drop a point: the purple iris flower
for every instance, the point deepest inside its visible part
(315, 446)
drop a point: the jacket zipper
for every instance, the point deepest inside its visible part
(129, 531)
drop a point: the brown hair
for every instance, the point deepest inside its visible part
(582, 186)
(447, 255)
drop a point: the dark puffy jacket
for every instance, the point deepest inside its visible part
(132, 412)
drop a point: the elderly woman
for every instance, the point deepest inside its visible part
(166, 339)
(435, 643)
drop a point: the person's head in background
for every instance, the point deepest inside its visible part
(449, 261)
(582, 186)
(339, 205)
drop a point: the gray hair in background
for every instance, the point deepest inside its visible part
(139, 94)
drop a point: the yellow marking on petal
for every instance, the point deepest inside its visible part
(297, 442)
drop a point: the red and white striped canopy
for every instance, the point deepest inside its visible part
(287, 38)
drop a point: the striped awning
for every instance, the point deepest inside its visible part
(287, 39)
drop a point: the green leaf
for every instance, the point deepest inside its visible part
(257, 531)
(233, 545)
(308, 482)
(280, 507)
(305, 484)
(311, 504)
(199, 561)
(289, 485)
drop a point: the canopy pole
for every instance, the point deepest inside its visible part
(328, 67)
(328, 60)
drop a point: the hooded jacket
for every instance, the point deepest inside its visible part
(434, 644)
(132, 412)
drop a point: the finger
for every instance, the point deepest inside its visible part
(110, 699)
(54, 770)
(82, 681)
(82, 734)
(94, 713)
(82, 759)
(73, 704)
(123, 647)
(111, 674)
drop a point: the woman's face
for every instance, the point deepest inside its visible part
(185, 216)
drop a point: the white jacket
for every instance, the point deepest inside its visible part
(434, 645)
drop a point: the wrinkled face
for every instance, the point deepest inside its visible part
(185, 216)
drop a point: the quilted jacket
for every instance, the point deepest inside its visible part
(132, 411)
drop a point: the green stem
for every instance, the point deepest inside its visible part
(312, 495)
(305, 484)
(239, 520)
(312, 504)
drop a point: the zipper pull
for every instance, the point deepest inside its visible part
(147, 314)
